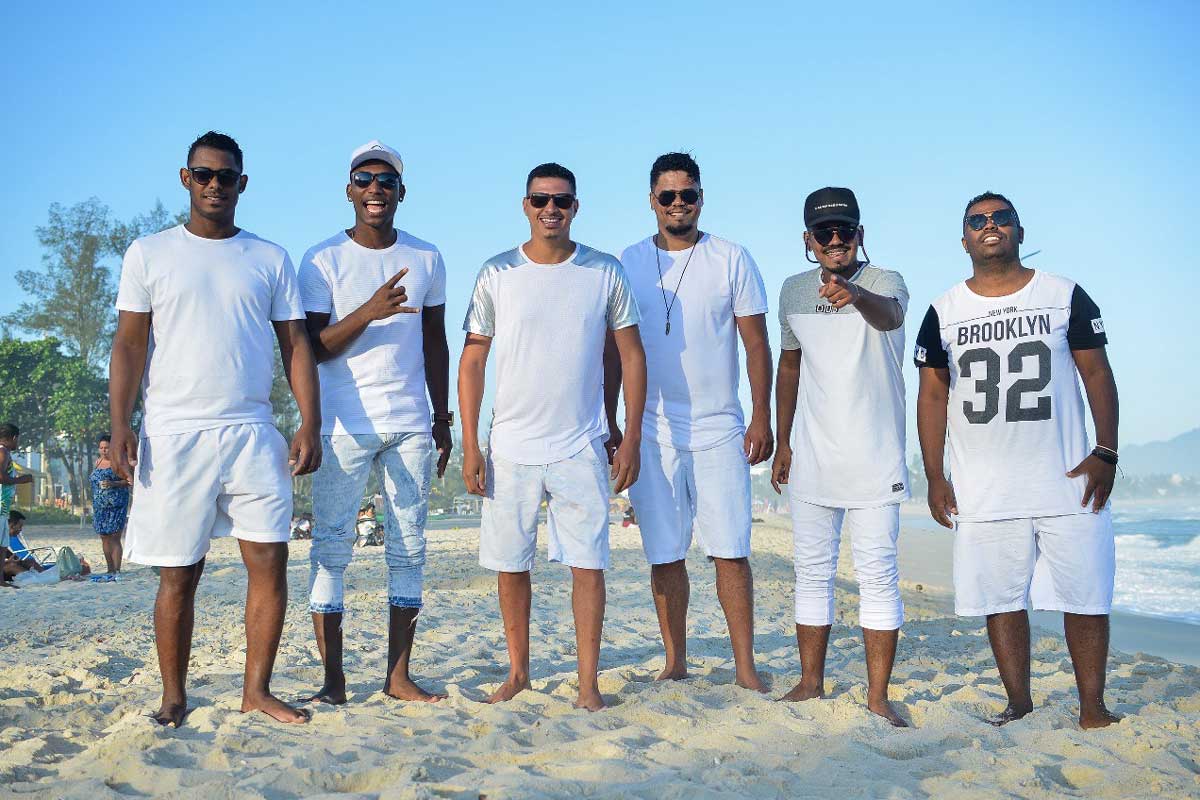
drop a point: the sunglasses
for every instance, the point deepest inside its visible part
(363, 179)
(563, 200)
(688, 196)
(846, 233)
(1001, 218)
(204, 175)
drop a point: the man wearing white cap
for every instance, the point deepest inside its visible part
(375, 298)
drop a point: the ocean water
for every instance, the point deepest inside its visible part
(1158, 558)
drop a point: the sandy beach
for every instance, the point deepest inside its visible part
(78, 676)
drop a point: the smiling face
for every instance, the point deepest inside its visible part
(375, 205)
(992, 243)
(102, 448)
(677, 218)
(840, 253)
(550, 221)
(211, 200)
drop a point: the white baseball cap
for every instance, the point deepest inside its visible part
(376, 150)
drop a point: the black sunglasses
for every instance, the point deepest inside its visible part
(563, 200)
(388, 180)
(688, 196)
(847, 233)
(225, 177)
(1001, 218)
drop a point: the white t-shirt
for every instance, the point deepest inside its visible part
(1015, 420)
(848, 432)
(377, 384)
(212, 301)
(692, 373)
(548, 324)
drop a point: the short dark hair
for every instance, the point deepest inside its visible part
(979, 198)
(550, 170)
(217, 141)
(104, 437)
(9, 431)
(15, 516)
(672, 162)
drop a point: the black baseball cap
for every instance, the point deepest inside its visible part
(830, 204)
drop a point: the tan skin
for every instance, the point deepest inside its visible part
(212, 216)
(839, 261)
(374, 227)
(7, 447)
(111, 543)
(670, 585)
(550, 243)
(997, 271)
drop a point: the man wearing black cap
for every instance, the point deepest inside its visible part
(840, 446)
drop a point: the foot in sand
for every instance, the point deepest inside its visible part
(275, 708)
(592, 701)
(330, 694)
(508, 690)
(884, 709)
(750, 680)
(405, 689)
(673, 673)
(1098, 717)
(1010, 714)
(171, 713)
(803, 691)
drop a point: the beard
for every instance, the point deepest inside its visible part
(680, 230)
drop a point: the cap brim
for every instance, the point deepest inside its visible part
(831, 218)
(385, 158)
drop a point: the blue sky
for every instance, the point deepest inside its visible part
(1084, 114)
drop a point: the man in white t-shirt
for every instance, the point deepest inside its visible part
(200, 307)
(698, 295)
(840, 395)
(545, 308)
(1000, 356)
(376, 303)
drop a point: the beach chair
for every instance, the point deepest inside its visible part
(44, 557)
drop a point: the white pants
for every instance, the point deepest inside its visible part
(816, 536)
(1063, 563)
(677, 490)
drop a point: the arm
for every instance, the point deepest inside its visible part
(437, 378)
(301, 370)
(125, 369)
(471, 370)
(758, 441)
(787, 384)
(933, 398)
(329, 341)
(5, 478)
(627, 459)
(612, 392)
(881, 313)
(1101, 388)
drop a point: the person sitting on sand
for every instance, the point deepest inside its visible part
(110, 508)
(10, 436)
(999, 355)
(841, 439)
(375, 297)
(547, 306)
(210, 461)
(14, 566)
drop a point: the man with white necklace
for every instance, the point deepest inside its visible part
(698, 294)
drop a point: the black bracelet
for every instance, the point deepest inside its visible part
(1105, 456)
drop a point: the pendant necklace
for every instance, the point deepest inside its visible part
(679, 283)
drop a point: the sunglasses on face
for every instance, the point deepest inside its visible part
(1001, 218)
(225, 177)
(563, 200)
(688, 196)
(363, 179)
(846, 233)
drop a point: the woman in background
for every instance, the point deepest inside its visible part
(110, 508)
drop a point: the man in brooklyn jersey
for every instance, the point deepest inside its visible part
(840, 416)
(998, 355)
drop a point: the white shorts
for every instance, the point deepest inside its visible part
(1065, 563)
(678, 490)
(577, 494)
(193, 487)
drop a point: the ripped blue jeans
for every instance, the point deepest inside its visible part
(405, 462)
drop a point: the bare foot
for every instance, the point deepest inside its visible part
(802, 691)
(1099, 717)
(405, 689)
(1010, 714)
(171, 714)
(670, 673)
(751, 681)
(508, 690)
(884, 709)
(331, 695)
(592, 701)
(275, 708)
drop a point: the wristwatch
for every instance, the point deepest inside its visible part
(447, 418)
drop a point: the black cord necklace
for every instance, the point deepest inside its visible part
(658, 263)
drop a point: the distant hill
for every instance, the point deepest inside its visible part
(1179, 455)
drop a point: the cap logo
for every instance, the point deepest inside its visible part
(831, 205)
